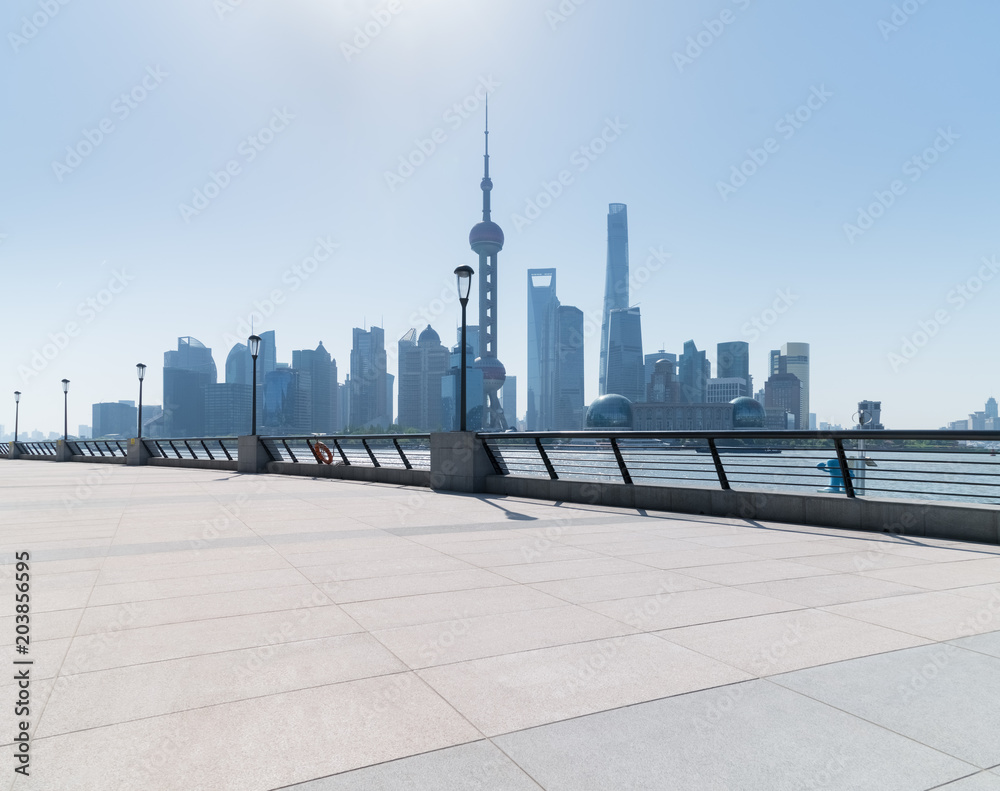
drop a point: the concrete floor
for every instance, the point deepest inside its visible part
(197, 629)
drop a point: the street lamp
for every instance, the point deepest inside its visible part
(254, 343)
(140, 370)
(65, 384)
(464, 275)
(17, 410)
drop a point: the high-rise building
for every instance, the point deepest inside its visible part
(370, 386)
(451, 395)
(870, 415)
(287, 405)
(114, 419)
(650, 360)
(227, 409)
(694, 371)
(239, 365)
(662, 386)
(626, 373)
(733, 362)
(991, 407)
(542, 349)
(186, 373)
(722, 390)
(794, 359)
(569, 408)
(784, 391)
(508, 397)
(322, 370)
(486, 240)
(423, 361)
(615, 285)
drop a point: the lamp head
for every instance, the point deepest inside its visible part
(254, 343)
(17, 396)
(464, 275)
(65, 384)
(140, 370)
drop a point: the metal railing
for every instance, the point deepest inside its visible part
(4, 448)
(936, 465)
(403, 451)
(99, 447)
(44, 448)
(204, 448)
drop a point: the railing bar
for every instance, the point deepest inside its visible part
(545, 460)
(175, 448)
(340, 450)
(845, 470)
(292, 455)
(226, 450)
(399, 450)
(210, 456)
(370, 454)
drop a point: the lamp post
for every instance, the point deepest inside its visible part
(464, 275)
(254, 342)
(17, 410)
(65, 384)
(140, 370)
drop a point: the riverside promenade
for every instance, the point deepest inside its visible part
(200, 629)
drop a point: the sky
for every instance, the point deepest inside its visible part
(794, 172)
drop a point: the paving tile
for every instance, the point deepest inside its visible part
(190, 586)
(934, 615)
(753, 571)
(939, 695)
(686, 608)
(507, 693)
(344, 591)
(983, 781)
(155, 643)
(768, 644)
(478, 766)
(281, 739)
(941, 576)
(121, 694)
(865, 559)
(829, 589)
(983, 643)
(366, 569)
(568, 569)
(436, 607)
(620, 586)
(468, 638)
(44, 625)
(691, 558)
(746, 736)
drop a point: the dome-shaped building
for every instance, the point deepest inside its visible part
(611, 411)
(748, 413)
(429, 337)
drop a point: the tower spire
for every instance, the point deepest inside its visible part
(487, 183)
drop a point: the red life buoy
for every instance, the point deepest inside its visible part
(322, 453)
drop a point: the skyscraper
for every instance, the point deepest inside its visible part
(733, 362)
(542, 349)
(568, 396)
(186, 373)
(991, 407)
(227, 408)
(509, 398)
(423, 361)
(615, 283)
(114, 419)
(370, 387)
(322, 370)
(784, 391)
(626, 374)
(650, 360)
(287, 405)
(486, 240)
(694, 371)
(794, 359)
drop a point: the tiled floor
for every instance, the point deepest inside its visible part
(203, 630)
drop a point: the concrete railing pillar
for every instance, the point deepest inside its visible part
(253, 456)
(458, 462)
(63, 452)
(14, 452)
(138, 454)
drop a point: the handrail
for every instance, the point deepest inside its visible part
(353, 450)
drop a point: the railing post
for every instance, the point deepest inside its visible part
(845, 470)
(210, 456)
(545, 459)
(719, 469)
(370, 454)
(493, 459)
(340, 450)
(399, 450)
(292, 455)
(622, 467)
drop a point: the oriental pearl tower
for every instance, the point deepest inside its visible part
(486, 240)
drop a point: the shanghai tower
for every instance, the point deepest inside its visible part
(486, 240)
(615, 283)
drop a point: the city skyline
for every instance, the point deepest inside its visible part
(808, 197)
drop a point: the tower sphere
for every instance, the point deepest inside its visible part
(486, 238)
(494, 373)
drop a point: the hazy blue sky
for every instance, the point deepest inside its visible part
(181, 87)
